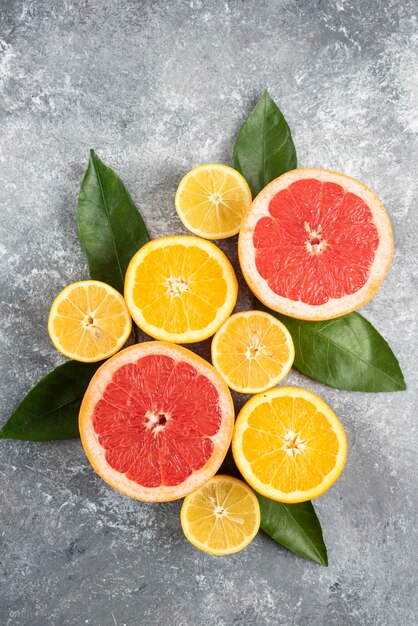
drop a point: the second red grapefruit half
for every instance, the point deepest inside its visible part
(156, 421)
(315, 244)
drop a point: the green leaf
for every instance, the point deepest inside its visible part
(110, 228)
(294, 526)
(346, 353)
(264, 147)
(50, 409)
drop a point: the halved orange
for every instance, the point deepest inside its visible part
(89, 321)
(180, 288)
(222, 517)
(156, 421)
(289, 445)
(212, 199)
(253, 351)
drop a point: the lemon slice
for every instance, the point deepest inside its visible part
(253, 351)
(211, 201)
(89, 321)
(180, 289)
(222, 517)
(289, 445)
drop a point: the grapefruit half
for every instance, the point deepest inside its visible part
(156, 421)
(315, 244)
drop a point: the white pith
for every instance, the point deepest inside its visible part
(293, 444)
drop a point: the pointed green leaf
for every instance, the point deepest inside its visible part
(264, 147)
(294, 526)
(346, 353)
(50, 409)
(110, 227)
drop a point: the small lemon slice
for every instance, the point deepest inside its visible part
(211, 201)
(253, 351)
(222, 517)
(289, 445)
(180, 288)
(89, 321)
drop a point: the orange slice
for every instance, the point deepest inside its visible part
(180, 289)
(89, 321)
(253, 351)
(211, 201)
(222, 517)
(289, 445)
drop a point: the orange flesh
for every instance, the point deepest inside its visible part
(179, 289)
(290, 444)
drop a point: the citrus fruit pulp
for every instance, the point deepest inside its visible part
(180, 288)
(253, 351)
(156, 421)
(89, 321)
(315, 244)
(222, 517)
(211, 201)
(289, 445)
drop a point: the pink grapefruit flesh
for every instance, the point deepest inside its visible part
(156, 421)
(315, 244)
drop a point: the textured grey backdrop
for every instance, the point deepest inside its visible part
(157, 87)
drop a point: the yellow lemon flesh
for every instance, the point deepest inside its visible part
(222, 517)
(211, 201)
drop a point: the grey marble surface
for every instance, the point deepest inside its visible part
(157, 87)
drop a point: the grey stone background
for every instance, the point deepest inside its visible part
(155, 88)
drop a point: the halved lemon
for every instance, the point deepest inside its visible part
(180, 288)
(89, 321)
(211, 201)
(222, 517)
(289, 445)
(253, 351)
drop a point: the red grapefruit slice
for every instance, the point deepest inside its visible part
(315, 244)
(156, 421)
